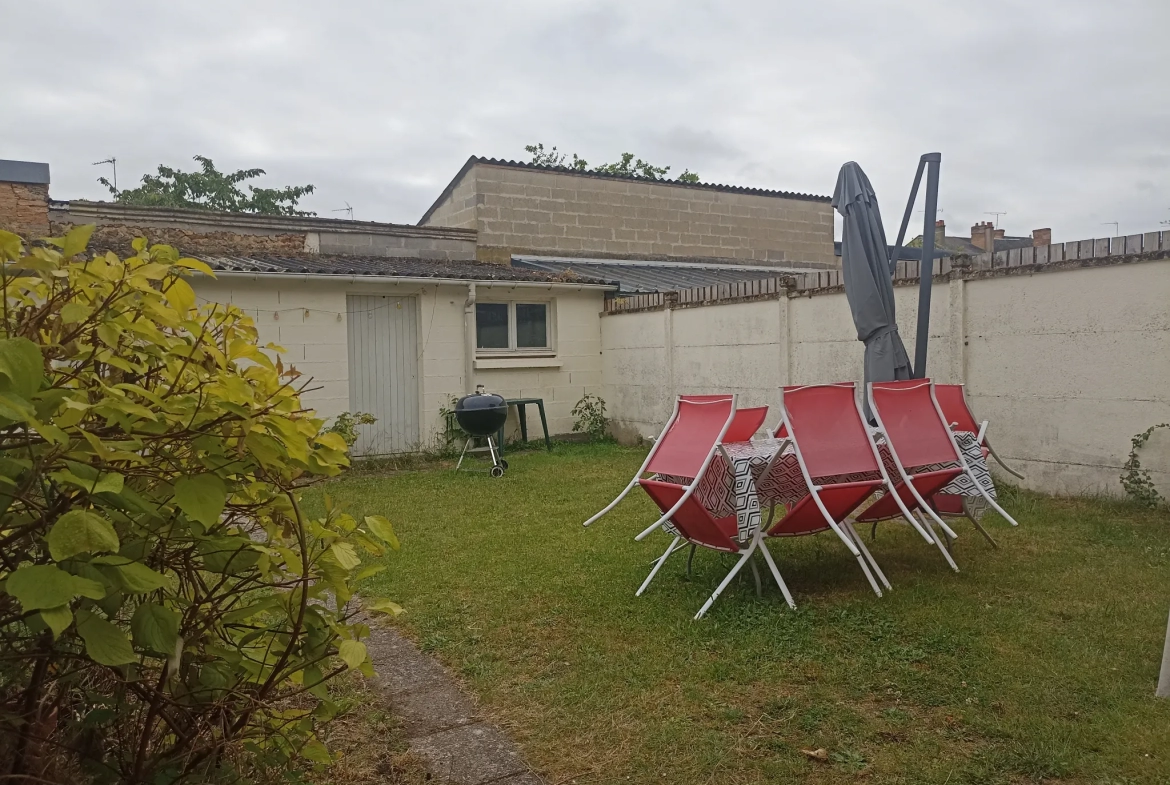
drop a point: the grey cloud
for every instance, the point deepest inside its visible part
(1054, 111)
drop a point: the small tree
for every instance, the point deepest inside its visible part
(211, 189)
(166, 603)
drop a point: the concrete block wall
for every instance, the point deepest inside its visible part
(1068, 359)
(529, 210)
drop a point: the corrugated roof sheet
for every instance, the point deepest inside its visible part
(633, 276)
(394, 267)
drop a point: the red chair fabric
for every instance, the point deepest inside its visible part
(919, 439)
(692, 520)
(830, 438)
(685, 446)
(954, 407)
(745, 424)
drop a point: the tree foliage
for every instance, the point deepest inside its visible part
(628, 166)
(211, 189)
(164, 602)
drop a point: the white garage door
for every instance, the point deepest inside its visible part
(383, 371)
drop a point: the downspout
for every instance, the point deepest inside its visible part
(469, 340)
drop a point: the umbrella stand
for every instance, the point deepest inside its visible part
(931, 162)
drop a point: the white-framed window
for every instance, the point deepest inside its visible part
(513, 327)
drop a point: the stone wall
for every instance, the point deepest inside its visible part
(24, 208)
(117, 238)
(521, 209)
(1068, 357)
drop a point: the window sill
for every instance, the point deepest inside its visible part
(486, 363)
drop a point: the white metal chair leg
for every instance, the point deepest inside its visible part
(657, 566)
(999, 460)
(865, 552)
(978, 525)
(868, 575)
(924, 507)
(995, 505)
(612, 504)
(723, 585)
(938, 541)
(776, 575)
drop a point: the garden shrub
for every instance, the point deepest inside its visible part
(589, 414)
(167, 612)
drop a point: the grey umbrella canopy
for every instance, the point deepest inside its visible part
(865, 267)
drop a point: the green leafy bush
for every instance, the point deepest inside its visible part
(346, 424)
(590, 416)
(166, 610)
(1136, 480)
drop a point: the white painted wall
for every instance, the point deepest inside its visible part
(1068, 365)
(308, 319)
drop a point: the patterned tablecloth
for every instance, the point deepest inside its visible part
(743, 489)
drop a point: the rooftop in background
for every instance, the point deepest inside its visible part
(638, 276)
(732, 189)
(387, 267)
(982, 236)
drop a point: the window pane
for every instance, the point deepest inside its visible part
(531, 325)
(491, 325)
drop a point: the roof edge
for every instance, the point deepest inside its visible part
(446, 192)
(87, 210)
(735, 189)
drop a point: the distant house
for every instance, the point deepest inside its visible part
(984, 237)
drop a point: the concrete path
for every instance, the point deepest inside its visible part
(440, 720)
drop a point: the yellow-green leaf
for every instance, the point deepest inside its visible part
(81, 531)
(382, 605)
(76, 239)
(352, 653)
(57, 619)
(195, 264)
(38, 586)
(345, 555)
(155, 628)
(10, 245)
(104, 643)
(21, 367)
(382, 529)
(202, 497)
(180, 295)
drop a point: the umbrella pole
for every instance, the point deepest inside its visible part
(897, 253)
(1164, 676)
(926, 267)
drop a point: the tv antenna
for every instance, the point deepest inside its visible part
(1113, 224)
(1165, 223)
(997, 214)
(112, 161)
(346, 209)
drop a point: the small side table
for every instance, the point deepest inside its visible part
(521, 405)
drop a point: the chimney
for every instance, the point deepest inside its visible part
(998, 234)
(982, 235)
(1041, 237)
(940, 233)
(24, 198)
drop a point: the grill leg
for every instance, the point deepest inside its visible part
(466, 444)
(492, 449)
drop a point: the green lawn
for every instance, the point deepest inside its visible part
(1037, 663)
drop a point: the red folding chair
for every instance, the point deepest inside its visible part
(685, 447)
(953, 402)
(922, 448)
(839, 464)
(693, 523)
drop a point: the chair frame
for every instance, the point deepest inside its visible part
(654, 450)
(851, 539)
(744, 551)
(981, 434)
(923, 505)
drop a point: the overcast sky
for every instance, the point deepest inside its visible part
(1055, 111)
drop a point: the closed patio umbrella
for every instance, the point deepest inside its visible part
(865, 267)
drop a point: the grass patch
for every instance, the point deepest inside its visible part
(1037, 663)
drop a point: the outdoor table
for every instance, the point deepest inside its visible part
(740, 489)
(521, 412)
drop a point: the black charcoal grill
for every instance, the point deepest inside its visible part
(481, 415)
